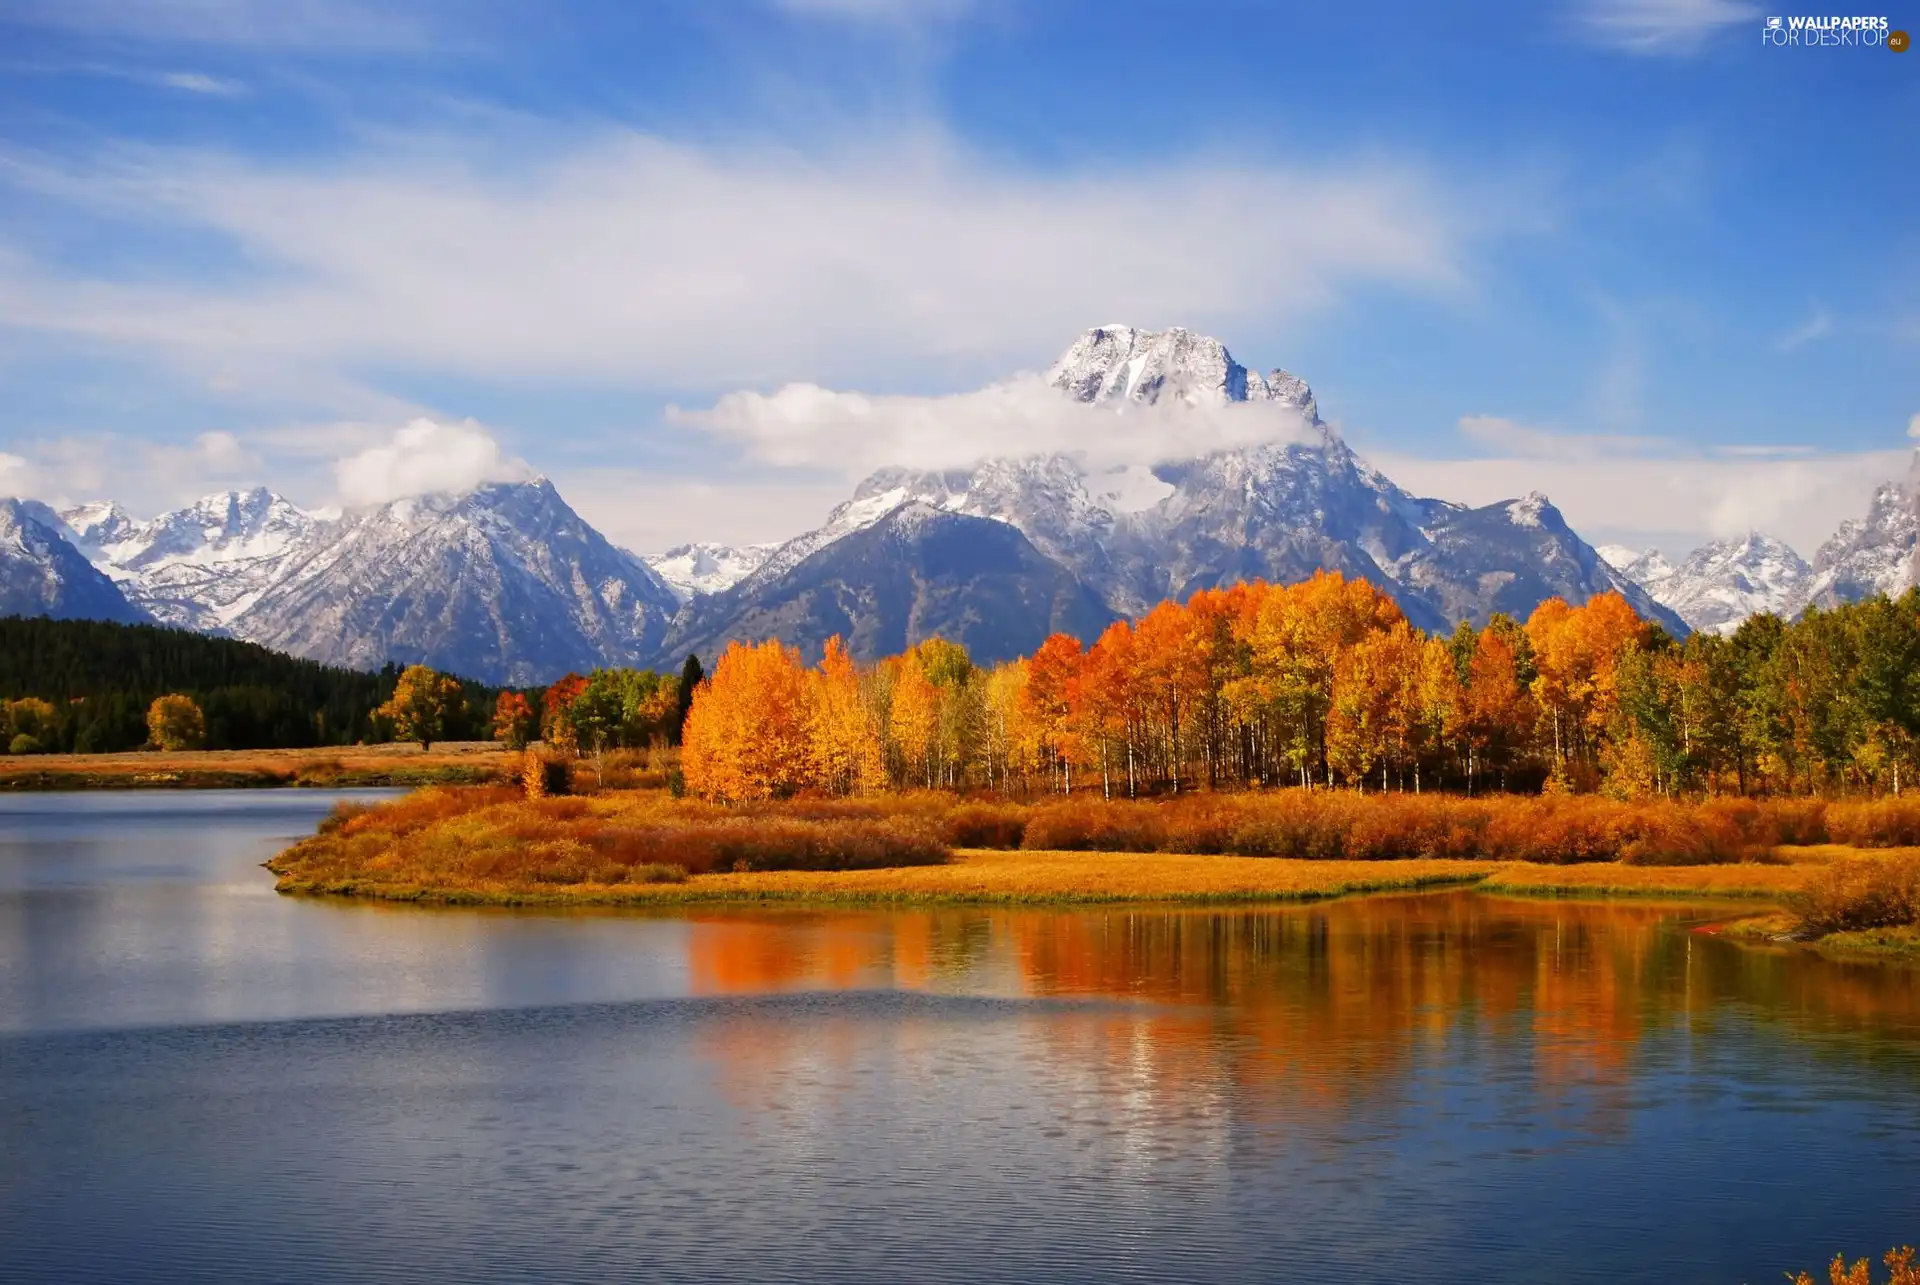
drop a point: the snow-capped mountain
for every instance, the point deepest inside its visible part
(1114, 364)
(693, 569)
(1722, 583)
(1279, 510)
(43, 574)
(200, 567)
(1869, 555)
(1647, 568)
(506, 584)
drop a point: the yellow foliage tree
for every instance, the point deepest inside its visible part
(749, 731)
(914, 721)
(421, 704)
(844, 743)
(174, 722)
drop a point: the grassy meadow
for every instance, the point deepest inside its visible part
(333, 767)
(628, 846)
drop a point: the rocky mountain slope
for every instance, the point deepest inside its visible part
(200, 567)
(506, 584)
(1722, 583)
(1872, 554)
(43, 574)
(917, 572)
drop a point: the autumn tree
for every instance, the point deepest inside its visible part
(556, 713)
(174, 722)
(749, 729)
(421, 703)
(843, 742)
(1046, 705)
(513, 721)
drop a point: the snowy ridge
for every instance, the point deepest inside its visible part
(1720, 584)
(691, 569)
(200, 567)
(1869, 555)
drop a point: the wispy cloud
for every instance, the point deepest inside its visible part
(853, 433)
(1647, 490)
(647, 263)
(899, 12)
(1818, 326)
(1660, 28)
(1527, 441)
(194, 82)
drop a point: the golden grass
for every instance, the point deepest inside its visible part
(492, 846)
(979, 876)
(462, 762)
(1613, 879)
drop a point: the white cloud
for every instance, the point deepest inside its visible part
(1642, 491)
(1818, 326)
(1525, 441)
(194, 82)
(649, 512)
(17, 476)
(891, 11)
(1661, 27)
(637, 261)
(806, 425)
(424, 458)
(1913, 426)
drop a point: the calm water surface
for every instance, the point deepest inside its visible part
(200, 1080)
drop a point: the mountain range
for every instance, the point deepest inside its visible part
(509, 585)
(1722, 583)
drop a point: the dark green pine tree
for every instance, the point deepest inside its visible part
(691, 676)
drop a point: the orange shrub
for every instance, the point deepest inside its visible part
(1876, 823)
(1850, 895)
(985, 825)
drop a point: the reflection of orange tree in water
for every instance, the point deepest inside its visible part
(1331, 1001)
(1301, 1007)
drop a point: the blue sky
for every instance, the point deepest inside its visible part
(1620, 252)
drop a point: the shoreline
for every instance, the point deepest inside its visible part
(1751, 892)
(999, 877)
(318, 767)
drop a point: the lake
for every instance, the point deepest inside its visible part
(203, 1081)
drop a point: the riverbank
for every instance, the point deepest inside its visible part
(495, 847)
(342, 767)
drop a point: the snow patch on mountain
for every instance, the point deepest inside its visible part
(199, 567)
(1721, 584)
(1869, 555)
(691, 569)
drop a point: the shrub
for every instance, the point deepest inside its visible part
(543, 774)
(1876, 823)
(985, 825)
(1898, 1262)
(1847, 896)
(24, 744)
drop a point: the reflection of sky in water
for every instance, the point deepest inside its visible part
(1432, 1087)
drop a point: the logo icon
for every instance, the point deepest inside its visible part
(1898, 41)
(1774, 24)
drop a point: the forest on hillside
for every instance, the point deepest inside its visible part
(92, 683)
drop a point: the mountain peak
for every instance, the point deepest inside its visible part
(1119, 364)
